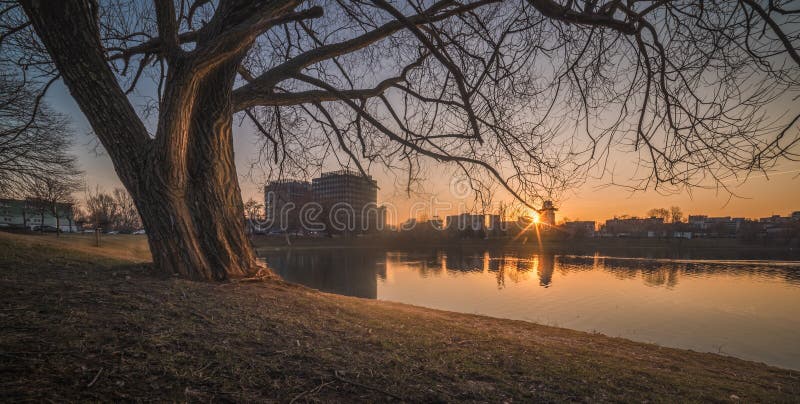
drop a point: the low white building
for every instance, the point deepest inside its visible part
(30, 214)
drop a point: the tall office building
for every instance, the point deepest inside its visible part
(352, 198)
(278, 199)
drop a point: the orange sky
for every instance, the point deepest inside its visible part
(758, 197)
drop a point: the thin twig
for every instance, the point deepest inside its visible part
(314, 390)
(355, 383)
(95, 378)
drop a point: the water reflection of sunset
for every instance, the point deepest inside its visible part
(746, 309)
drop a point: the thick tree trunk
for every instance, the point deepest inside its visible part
(196, 228)
(196, 234)
(184, 181)
(195, 219)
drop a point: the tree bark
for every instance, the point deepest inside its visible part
(195, 222)
(184, 181)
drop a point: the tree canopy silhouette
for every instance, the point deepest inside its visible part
(526, 94)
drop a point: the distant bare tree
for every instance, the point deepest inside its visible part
(101, 209)
(659, 213)
(675, 214)
(127, 218)
(527, 94)
(54, 195)
(252, 211)
(34, 140)
(79, 215)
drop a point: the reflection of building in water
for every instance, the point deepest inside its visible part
(460, 262)
(503, 265)
(425, 264)
(547, 264)
(495, 263)
(525, 265)
(331, 271)
(661, 276)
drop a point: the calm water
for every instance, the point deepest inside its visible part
(747, 309)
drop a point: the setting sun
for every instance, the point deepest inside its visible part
(535, 216)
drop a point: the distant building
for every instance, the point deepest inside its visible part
(409, 224)
(775, 219)
(466, 221)
(697, 221)
(351, 200)
(715, 226)
(436, 223)
(778, 226)
(31, 213)
(634, 227)
(548, 213)
(583, 228)
(512, 227)
(13, 213)
(495, 225)
(283, 201)
(487, 225)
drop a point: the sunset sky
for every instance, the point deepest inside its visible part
(778, 193)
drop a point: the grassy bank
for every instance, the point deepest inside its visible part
(86, 323)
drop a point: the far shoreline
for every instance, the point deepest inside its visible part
(671, 248)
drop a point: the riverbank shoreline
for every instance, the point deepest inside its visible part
(135, 246)
(95, 323)
(625, 247)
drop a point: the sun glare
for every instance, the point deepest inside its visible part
(535, 217)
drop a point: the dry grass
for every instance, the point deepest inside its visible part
(125, 247)
(78, 325)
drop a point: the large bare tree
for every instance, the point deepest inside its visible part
(524, 93)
